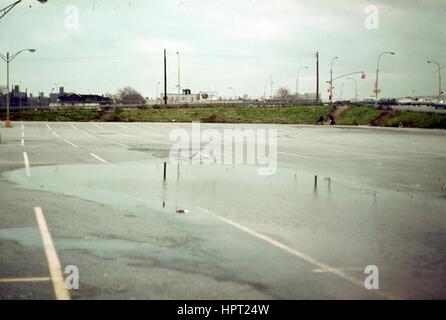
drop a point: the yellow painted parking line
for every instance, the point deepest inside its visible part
(53, 260)
(343, 269)
(18, 280)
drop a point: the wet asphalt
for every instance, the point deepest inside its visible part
(380, 200)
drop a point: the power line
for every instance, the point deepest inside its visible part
(143, 55)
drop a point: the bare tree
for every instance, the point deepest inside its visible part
(128, 95)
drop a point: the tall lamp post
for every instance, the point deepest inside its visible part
(341, 91)
(157, 89)
(331, 80)
(356, 87)
(8, 8)
(179, 83)
(8, 59)
(439, 79)
(297, 79)
(377, 75)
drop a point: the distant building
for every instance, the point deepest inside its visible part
(16, 98)
(188, 97)
(81, 100)
(38, 101)
(185, 97)
(55, 96)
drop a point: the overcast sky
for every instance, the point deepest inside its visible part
(237, 43)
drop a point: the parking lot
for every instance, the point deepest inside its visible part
(92, 195)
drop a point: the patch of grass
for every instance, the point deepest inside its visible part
(358, 116)
(292, 115)
(414, 119)
(285, 115)
(57, 115)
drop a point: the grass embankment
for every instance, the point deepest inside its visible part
(286, 115)
(358, 116)
(392, 118)
(57, 115)
(416, 120)
(291, 115)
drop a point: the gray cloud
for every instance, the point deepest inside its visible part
(223, 43)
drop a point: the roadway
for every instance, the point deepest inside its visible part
(92, 195)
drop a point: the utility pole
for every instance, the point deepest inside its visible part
(8, 60)
(165, 78)
(331, 81)
(179, 85)
(377, 76)
(20, 98)
(356, 87)
(439, 79)
(271, 84)
(317, 77)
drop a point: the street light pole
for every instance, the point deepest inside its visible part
(179, 85)
(297, 79)
(165, 77)
(331, 81)
(8, 60)
(377, 76)
(8, 8)
(271, 84)
(356, 87)
(157, 89)
(439, 79)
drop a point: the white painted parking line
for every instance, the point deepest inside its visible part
(23, 142)
(23, 135)
(73, 126)
(71, 143)
(27, 166)
(416, 152)
(300, 156)
(96, 136)
(294, 252)
(122, 126)
(58, 136)
(53, 260)
(100, 159)
(98, 126)
(23, 126)
(115, 132)
(122, 134)
(119, 144)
